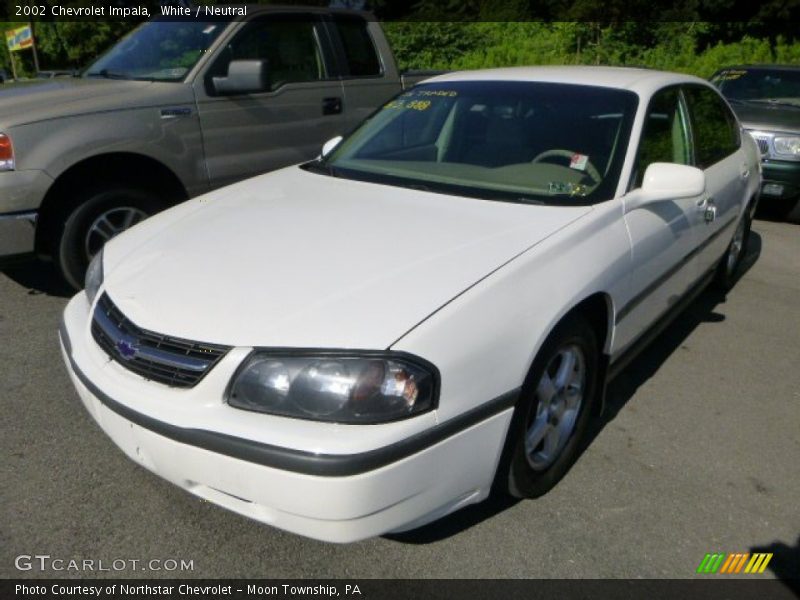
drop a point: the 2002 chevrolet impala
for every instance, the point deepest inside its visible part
(429, 311)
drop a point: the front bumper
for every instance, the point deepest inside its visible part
(781, 179)
(21, 194)
(17, 233)
(338, 497)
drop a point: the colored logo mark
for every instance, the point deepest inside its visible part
(735, 562)
(127, 350)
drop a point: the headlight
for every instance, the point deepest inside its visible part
(6, 153)
(94, 276)
(335, 386)
(787, 145)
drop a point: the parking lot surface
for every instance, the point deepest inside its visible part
(699, 452)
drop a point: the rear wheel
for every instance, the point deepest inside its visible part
(100, 215)
(553, 411)
(793, 216)
(728, 269)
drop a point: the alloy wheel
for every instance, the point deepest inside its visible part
(559, 396)
(736, 247)
(110, 224)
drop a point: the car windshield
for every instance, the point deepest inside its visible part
(760, 85)
(517, 141)
(157, 51)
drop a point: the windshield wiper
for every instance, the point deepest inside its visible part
(318, 166)
(775, 102)
(417, 186)
(106, 74)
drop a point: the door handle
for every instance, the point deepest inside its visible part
(709, 210)
(745, 172)
(332, 106)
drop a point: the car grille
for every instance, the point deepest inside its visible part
(762, 140)
(168, 360)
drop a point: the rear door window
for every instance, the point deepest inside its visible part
(359, 50)
(715, 129)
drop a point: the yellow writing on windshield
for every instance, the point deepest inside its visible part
(730, 75)
(444, 93)
(411, 104)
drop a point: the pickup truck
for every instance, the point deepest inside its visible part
(174, 109)
(766, 98)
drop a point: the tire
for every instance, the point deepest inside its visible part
(729, 266)
(793, 216)
(533, 470)
(100, 214)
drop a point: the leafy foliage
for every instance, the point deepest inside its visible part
(65, 44)
(689, 47)
(439, 35)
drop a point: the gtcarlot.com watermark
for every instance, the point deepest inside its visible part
(48, 563)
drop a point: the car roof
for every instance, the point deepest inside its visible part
(637, 79)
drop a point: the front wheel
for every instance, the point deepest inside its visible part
(553, 411)
(99, 216)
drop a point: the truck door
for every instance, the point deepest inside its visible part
(368, 80)
(248, 134)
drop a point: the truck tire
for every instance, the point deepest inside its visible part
(100, 214)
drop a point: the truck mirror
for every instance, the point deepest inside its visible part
(244, 77)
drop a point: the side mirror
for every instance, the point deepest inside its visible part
(666, 181)
(244, 77)
(330, 145)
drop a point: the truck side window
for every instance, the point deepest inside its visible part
(665, 135)
(716, 133)
(290, 47)
(362, 58)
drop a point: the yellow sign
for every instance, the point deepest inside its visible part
(20, 38)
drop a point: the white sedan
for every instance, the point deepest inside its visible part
(429, 311)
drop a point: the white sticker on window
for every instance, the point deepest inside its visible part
(578, 162)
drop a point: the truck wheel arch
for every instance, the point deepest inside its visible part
(135, 169)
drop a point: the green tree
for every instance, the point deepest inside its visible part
(74, 44)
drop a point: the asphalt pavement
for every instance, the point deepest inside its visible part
(699, 452)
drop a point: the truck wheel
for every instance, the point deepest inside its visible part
(553, 411)
(100, 215)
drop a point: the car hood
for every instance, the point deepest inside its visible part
(33, 101)
(297, 259)
(766, 117)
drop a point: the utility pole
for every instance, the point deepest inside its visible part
(33, 47)
(13, 65)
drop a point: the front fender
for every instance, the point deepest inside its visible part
(485, 340)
